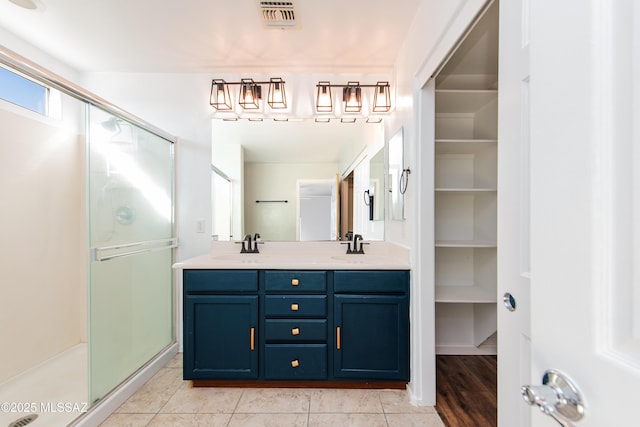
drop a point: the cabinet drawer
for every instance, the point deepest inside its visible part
(350, 281)
(220, 280)
(295, 305)
(295, 330)
(295, 281)
(295, 361)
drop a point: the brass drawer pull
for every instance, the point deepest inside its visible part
(294, 307)
(295, 282)
(253, 338)
(295, 363)
(338, 337)
(295, 331)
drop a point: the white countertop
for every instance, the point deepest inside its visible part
(301, 256)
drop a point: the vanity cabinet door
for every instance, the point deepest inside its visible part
(371, 337)
(221, 339)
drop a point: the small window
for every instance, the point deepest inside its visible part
(22, 91)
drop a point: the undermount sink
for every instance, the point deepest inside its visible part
(361, 259)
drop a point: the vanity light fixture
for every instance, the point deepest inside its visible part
(352, 97)
(324, 101)
(220, 99)
(277, 97)
(250, 94)
(382, 98)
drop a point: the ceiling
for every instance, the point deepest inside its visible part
(213, 35)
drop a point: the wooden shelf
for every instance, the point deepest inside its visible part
(464, 294)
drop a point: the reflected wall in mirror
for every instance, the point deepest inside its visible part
(270, 158)
(221, 205)
(396, 167)
(376, 190)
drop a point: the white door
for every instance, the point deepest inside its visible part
(585, 203)
(513, 215)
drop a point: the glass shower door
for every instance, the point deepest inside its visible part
(131, 236)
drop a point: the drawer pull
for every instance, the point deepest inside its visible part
(295, 331)
(295, 363)
(295, 282)
(338, 337)
(253, 338)
(294, 307)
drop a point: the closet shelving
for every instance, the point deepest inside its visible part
(465, 194)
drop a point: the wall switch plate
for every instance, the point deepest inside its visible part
(200, 226)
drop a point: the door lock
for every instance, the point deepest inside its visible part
(557, 397)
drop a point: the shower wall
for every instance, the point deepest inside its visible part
(43, 238)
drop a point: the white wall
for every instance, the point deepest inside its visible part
(277, 181)
(42, 224)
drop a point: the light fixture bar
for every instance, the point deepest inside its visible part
(250, 94)
(352, 97)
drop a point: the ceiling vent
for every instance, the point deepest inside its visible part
(278, 14)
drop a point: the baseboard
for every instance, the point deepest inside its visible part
(397, 385)
(101, 411)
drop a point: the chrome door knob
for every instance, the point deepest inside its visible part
(557, 397)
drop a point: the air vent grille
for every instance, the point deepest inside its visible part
(278, 14)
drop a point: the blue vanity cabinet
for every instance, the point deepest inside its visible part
(221, 322)
(295, 311)
(371, 325)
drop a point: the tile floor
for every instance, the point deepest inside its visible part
(167, 400)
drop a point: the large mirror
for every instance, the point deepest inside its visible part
(282, 172)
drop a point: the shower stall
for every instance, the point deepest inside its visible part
(88, 237)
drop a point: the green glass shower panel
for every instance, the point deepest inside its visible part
(131, 235)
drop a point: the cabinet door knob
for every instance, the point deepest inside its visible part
(295, 363)
(294, 307)
(295, 331)
(295, 282)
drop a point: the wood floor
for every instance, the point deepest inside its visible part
(466, 390)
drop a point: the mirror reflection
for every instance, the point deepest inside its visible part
(288, 179)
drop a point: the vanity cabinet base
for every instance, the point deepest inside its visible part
(340, 329)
